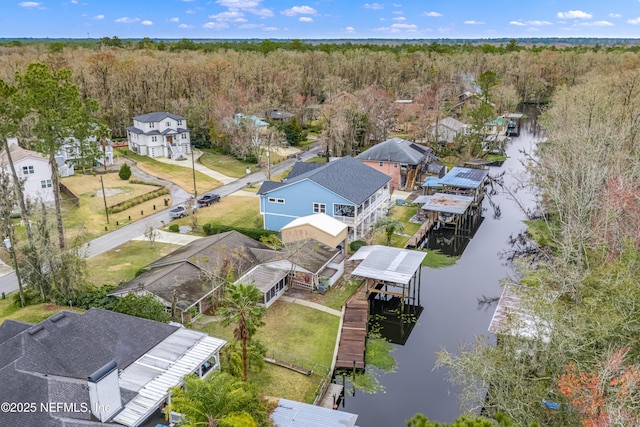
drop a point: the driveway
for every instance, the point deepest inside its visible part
(115, 238)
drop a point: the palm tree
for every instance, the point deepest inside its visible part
(240, 307)
(216, 401)
(389, 226)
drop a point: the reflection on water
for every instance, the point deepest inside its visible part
(448, 242)
(449, 315)
(393, 320)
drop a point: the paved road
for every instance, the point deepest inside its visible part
(106, 242)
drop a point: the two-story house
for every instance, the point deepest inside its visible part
(344, 189)
(405, 162)
(160, 134)
(74, 153)
(33, 167)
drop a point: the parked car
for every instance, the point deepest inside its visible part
(181, 211)
(208, 199)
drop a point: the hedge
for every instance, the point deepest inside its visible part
(123, 206)
(254, 233)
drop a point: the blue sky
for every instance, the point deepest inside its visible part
(319, 18)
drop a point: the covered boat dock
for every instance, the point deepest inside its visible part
(449, 210)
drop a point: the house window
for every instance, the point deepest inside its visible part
(395, 165)
(381, 164)
(184, 136)
(276, 200)
(168, 124)
(343, 210)
(152, 125)
(27, 170)
(154, 139)
(45, 183)
(179, 122)
(319, 208)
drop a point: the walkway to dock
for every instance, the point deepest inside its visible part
(353, 335)
(417, 238)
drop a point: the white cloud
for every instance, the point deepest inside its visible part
(398, 12)
(299, 10)
(250, 26)
(239, 4)
(127, 20)
(190, 12)
(305, 19)
(574, 14)
(597, 24)
(173, 19)
(534, 23)
(433, 14)
(404, 26)
(188, 0)
(349, 30)
(263, 13)
(185, 26)
(474, 22)
(98, 17)
(215, 25)
(396, 4)
(271, 28)
(232, 15)
(518, 23)
(74, 1)
(634, 21)
(615, 15)
(29, 4)
(374, 6)
(147, 22)
(400, 18)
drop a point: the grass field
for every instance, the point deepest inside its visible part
(226, 165)
(31, 313)
(179, 175)
(402, 214)
(237, 211)
(121, 263)
(89, 218)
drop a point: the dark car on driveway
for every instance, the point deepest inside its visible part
(208, 199)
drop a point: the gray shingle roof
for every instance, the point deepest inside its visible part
(395, 150)
(345, 176)
(50, 361)
(157, 117)
(302, 167)
(11, 328)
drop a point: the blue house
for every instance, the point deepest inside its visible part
(345, 189)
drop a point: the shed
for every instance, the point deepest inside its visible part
(290, 413)
(320, 227)
(513, 318)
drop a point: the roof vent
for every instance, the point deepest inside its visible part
(58, 316)
(35, 330)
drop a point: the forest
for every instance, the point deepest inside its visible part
(579, 260)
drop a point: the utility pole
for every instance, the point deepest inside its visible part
(104, 197)
(193, 168)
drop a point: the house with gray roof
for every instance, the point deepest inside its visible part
(344, 189)
(191, 279)
(446, 130)
(160, 134)
(96, 368)
(405, 162)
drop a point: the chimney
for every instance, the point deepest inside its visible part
(104, 392)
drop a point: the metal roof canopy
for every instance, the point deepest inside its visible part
(387, 264)
(290, 413)
(432, 181)
(511, 318)
(447, 203)
(464, 177)
(160, 369)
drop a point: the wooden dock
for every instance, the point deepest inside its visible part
(353, 335)
(417, 238)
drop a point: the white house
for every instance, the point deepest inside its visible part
(160, 134)
(70, 154)
(31, 166)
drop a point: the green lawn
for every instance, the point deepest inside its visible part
(276, 381)
(31, 313)
(121, 263)
(436, 259)
(226, 165)
(237, 211)
(402, 214)
(179, 175)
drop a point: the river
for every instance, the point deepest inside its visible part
(451, 314)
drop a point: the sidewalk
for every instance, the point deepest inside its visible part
(311, 305)
(224, 179)
(169, 237)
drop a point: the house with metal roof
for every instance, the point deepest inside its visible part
(465, 182)
(96, 368)
(290, 413)
(160, 134)
(405, 162)
(345, 189)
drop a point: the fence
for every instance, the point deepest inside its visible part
(70, 194)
